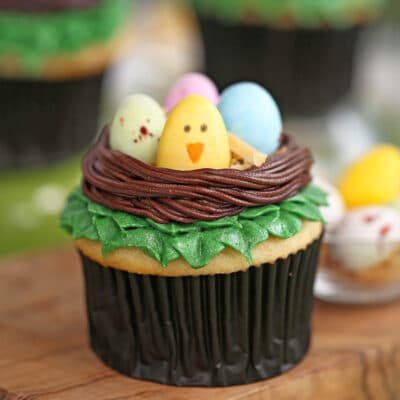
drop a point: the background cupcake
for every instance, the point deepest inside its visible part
(360, 261)
(53, 56)
(195, 250)
(302, 50)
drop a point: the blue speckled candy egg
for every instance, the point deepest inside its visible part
(252, 114)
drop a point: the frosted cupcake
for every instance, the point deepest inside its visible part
(199, 246)
(302, 50)
(53, 56)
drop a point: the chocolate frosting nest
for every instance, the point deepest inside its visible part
(123, 183)
(45, 5)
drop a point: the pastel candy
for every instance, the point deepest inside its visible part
(137, 126)
(243, 151)
(374, 179)
(194, 137)
(189, 84)
(251, 113)
(366, 236)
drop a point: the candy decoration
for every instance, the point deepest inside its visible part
(251, 113)
(136, 128)
(374, 179)
(245, 152)
(194, 137)
(366, 236)
(189, 84)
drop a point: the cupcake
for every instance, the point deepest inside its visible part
(302, 50)
(53, 56)
(196, 242)
(361, 251)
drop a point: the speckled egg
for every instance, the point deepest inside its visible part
(137, 126)
(251, 113)
(189, 84)
(366, 236)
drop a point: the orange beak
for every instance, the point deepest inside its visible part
(195, 150)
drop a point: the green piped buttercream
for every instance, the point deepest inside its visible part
(304, 13)
(197, 242)
(35, 37)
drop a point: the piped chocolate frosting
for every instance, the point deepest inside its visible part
(45, 5)
(123, 183)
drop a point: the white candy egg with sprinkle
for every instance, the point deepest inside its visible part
(136, 127)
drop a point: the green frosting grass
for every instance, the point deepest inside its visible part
(34, 37)
(306, 13)
(197, 242)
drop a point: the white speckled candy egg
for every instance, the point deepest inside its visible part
(136, 127)
(366, 236)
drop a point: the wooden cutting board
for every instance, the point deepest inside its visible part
(44, 353)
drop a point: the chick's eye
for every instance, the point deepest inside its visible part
(203, 127)
(186, 128)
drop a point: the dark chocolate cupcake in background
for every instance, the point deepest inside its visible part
(53, 56)
(199, 249)
(302, 50)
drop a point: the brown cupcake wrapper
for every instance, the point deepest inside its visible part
(213, 330)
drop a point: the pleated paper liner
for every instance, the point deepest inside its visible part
(47, 121)
(306, 70)
(214, 330)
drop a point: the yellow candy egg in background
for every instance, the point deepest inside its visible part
(194, 137)
(374, 179)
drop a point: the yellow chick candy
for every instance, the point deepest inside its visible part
(194, 137)
(374, 179)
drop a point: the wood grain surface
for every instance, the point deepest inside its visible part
(44, 353)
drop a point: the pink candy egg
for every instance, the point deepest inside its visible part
(189, 84)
